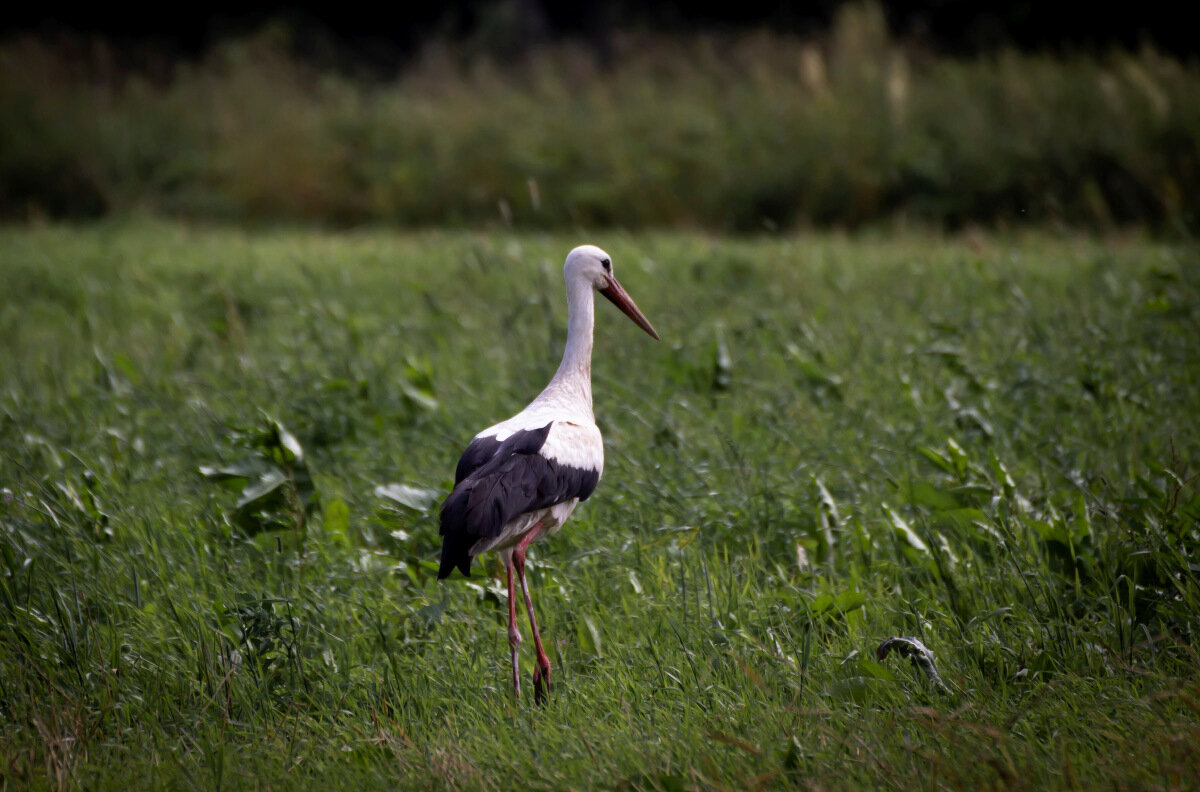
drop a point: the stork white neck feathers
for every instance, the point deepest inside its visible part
(571, 387)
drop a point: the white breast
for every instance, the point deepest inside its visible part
(574, 442)
(575, 445)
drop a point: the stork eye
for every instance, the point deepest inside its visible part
(607, 264)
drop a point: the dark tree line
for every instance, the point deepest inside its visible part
(384, 34)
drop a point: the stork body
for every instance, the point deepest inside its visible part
(520, 479)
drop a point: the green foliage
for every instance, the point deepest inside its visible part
(719, 131)
(980, 450)
(277, 491)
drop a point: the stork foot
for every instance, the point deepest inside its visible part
(541, 684)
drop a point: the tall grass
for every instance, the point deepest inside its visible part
(735, 132)
(988, 443)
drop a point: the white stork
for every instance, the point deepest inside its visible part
(520, 479)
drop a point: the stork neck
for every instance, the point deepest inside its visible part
(572, 383)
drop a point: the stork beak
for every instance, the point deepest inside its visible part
(620, 298)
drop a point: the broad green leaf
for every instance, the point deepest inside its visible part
(822, 603)
(904, 530)
(972, 492)
(971, 418)
(419, 498)
(419, 396)
(937, 458)
(337, 519)
(288, 441)
(874, 668)
(589, 636)
(127, 367)
(922, 493)
(1051, 532)
(244, 470)
(1001, 473)
(1083, 521)
(951, 559)
(858, 690)
(958, 457)
(959, 517)
(267, 483)
(849, 600)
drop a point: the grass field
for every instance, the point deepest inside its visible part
(986, 442)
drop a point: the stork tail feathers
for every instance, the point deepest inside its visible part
(456, 552)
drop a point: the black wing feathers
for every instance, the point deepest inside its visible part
(478, 453)
(514, 480)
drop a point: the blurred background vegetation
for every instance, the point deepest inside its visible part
(734, 130)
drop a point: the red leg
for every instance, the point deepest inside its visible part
(514, 634)
(541, 673)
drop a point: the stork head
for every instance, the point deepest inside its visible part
(592, 265)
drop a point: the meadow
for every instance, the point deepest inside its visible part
(221, 454)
